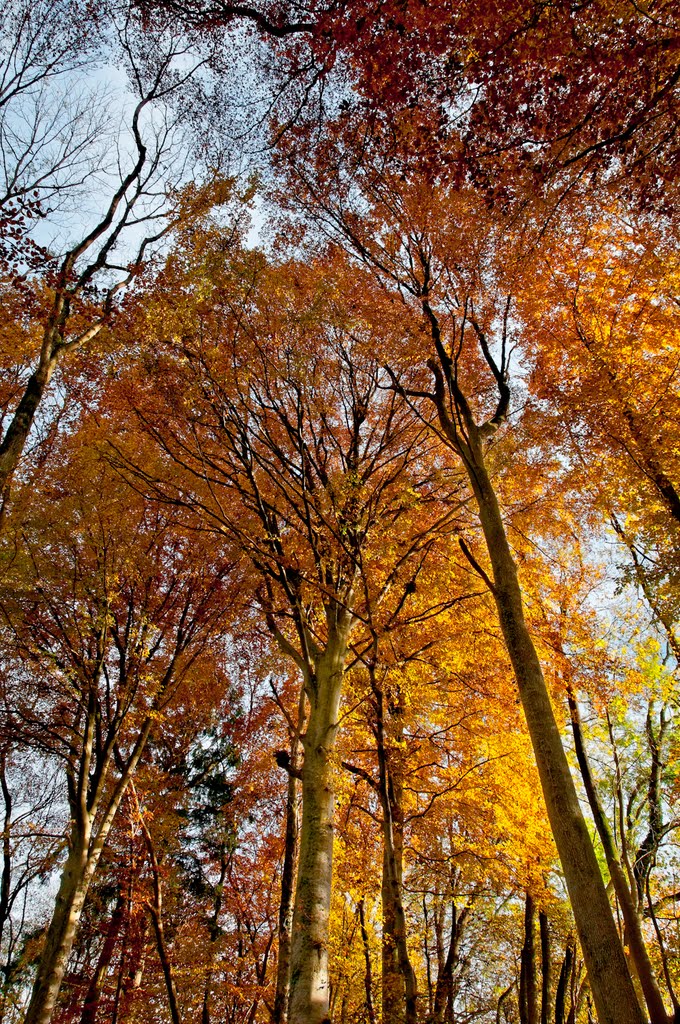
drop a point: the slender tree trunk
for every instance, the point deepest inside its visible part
(546, 967)
(84, 852)
(428, 958)
(399, 983)
(610, 980)
(16, 435)
(368, 975)
(286, 906)
(528, 1002)
(631, 918)
(94, 991)
(131, 971)
(443, 997)
(309, 983)
(280, 1012)
(563, 983)
(155, 908)
(5, 882)
(214, 934)
(501, 999)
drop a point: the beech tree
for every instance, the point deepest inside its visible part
(388, 451)
(289, 422)
(94, 656)
(61, 295)
(442, 270)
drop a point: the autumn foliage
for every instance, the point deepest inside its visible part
(339, 550)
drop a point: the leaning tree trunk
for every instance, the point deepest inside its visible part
(309, 983)
(94, 990)
(85, 849)
(631, 918)
(611, 984)
(610, 981)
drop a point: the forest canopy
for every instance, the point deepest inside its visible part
(339, 512)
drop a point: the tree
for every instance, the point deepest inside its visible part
(62, 296)
(94, 657)
(276, 411)
(420, 241)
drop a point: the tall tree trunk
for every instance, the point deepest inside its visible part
(563, 983)
(309, 984)
(155, 908)
(75, 882)
(280, 1012)
(631, 917)
(428, 958)
(400, 987)
(5, 882)
(214, 933)
(85, 849)
(16, 435)
(94, 991)
(442, 1012)
(528, 1002)
(546, 967)
(368, 975)
(610, 980)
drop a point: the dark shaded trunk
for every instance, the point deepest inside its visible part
(546, 968)
(6, 881)
(368, 974)
(94, 991)
(563, 983)
(443, 998)
(428, 958)
(290, 854)
(399, 983)
(528, 1003)
(155, 909)
(214, 933)
(14, 441)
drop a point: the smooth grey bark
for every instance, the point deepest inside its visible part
(309, 982)
(608, 974)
